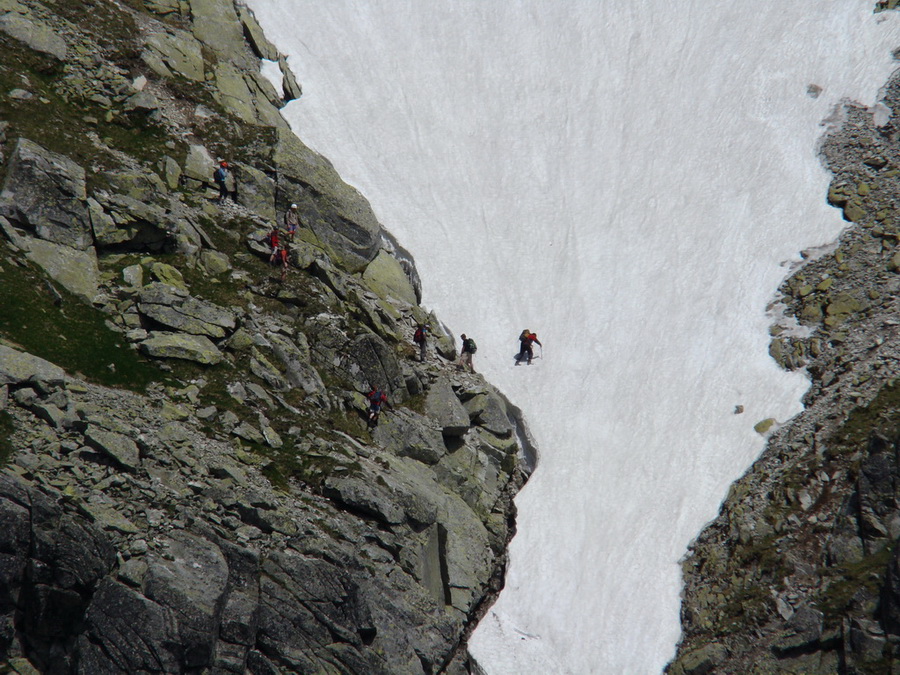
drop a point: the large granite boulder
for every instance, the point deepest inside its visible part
(44, 192)
(19, 367)
(76, 270)
(179, 311)
(197, 348)
(444, 407)
(34, 33)
(386, 276)
(174, 52)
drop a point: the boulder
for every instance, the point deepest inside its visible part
(488, 410)
(116, 615)
(191, 581)
(214, 262)
(174, 52)
(129, 223)
(386, 276)
(17, 367)
(233, 93)
(74, 269)
(298, 371)
(199, 164)
(117, 446)
(215, 23)
(197, 348)
(255, 36)
(336, 212)
(445, 409)
(34, 34)
(183, 313)
(167, 275)
(256, 191)
(289, 85)
(375, 364)
(45, 192)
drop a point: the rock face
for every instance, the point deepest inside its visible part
(187, 480)
(798, 573)
(45, 192)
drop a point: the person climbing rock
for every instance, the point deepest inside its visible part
(284, 256)
(467, 352)
(421, 339)
(292, 221)
(526, 346)
(220, 178)
(377, 400)
(274, 240)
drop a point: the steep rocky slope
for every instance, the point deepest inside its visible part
(188, 482)
(800, 571)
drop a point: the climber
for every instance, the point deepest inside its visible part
(220, 177)
(274, 240)
(526, 349)
(467, 352)
(292, 221)
(377, 399)
(421, 339)
(284, 255)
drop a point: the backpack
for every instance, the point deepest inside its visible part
(219, 175)
(419, 336)
(471, 347)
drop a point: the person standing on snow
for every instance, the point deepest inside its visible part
(467, 352)
(526, 348)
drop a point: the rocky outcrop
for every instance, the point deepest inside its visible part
(798, 572)
(187, 480)
(44, 192)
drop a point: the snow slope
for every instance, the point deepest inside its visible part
(631, 180)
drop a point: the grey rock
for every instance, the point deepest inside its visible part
(74, 269)
(35, 34)
(292, 90)
(184, 313)
(45, 192)
(117, 446)
(255, 36)
(256, 191)
(442, 406)
(197, 348)
(17, 367)
(489, 411)
(249, 433)
(199, 164)
(127, 632)
(174, 52)
(215, 262)
(386, 276)
(191, 584)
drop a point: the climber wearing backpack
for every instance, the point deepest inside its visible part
(377, 399)
(467, 352)
(526, 348)
(421, 339)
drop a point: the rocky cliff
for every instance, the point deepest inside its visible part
(188, 482)
(800, 572)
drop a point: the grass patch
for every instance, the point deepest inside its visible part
(848, 579)
(7, 426)
(72, 334)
